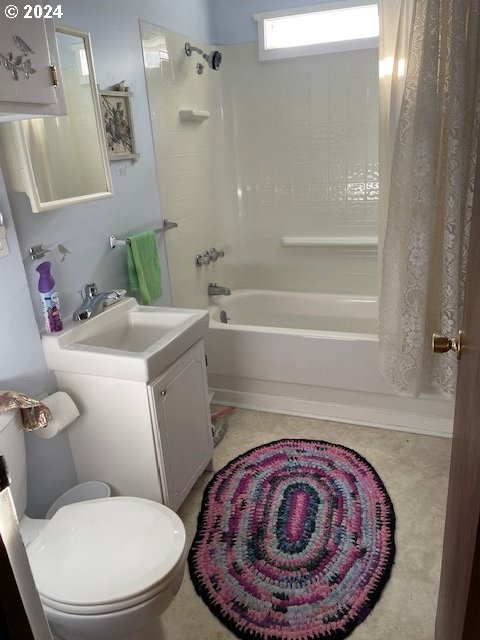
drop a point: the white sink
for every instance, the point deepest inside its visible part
(126, 341)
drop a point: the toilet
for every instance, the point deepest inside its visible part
(105, 568)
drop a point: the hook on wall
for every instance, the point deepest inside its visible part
(39, 251)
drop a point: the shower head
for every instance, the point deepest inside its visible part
(214, 58)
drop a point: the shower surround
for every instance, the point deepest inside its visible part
(290, 149)
(302, 138)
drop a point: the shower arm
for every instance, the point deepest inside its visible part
(189, 48)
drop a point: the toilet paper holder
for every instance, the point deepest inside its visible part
(64, 411)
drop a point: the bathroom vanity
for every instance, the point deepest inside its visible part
(138, 377)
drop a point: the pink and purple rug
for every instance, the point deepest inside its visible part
(295, 541)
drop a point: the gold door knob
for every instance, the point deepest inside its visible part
(442, 344)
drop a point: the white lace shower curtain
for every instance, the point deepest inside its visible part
(429, 139)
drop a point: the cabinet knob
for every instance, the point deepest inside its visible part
(163, 392)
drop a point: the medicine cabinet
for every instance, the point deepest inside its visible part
(31, 84)
(60, 161)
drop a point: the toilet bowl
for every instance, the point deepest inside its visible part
(105, 568)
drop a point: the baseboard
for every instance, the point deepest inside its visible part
(421, 423)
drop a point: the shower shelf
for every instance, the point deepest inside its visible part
(338, 241)
(193, 115)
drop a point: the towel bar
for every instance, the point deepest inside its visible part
(167, 224)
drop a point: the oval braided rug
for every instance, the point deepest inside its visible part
(295, 541)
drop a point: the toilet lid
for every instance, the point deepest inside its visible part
(106, 551)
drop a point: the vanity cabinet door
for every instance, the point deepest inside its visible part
(29, 82)
(181, 405)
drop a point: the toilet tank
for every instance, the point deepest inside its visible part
(12, 448)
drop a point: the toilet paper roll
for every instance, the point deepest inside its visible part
(64, 412)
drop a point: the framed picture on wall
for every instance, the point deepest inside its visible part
(118, 124)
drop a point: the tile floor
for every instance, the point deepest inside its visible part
(415, 471)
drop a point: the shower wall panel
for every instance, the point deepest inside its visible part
(186, 158)
(303, 148)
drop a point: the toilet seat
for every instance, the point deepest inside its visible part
(105, 555)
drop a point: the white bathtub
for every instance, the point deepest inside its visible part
(312, 355)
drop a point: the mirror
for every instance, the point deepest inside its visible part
(63, 160)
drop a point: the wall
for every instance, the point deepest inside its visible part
(304, 141)
(84, 230)
(187, 154)
(23, 368)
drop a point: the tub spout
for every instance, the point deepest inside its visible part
(215, 290)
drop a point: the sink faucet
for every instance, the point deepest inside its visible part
(215, 290)
(93, 301)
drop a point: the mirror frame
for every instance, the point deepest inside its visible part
(27, 179)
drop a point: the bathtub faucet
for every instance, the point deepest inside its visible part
(215, 290)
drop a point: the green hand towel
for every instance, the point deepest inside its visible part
(143, 266)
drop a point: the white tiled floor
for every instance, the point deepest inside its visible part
(415, 471)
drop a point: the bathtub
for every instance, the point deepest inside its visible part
(311, 355)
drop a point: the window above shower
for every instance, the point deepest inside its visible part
(327, 28)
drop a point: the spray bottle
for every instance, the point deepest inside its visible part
(49, 297)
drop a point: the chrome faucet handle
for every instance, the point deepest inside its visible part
(114, 296)
(203, 259)
(90, 290)
(215, 253)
